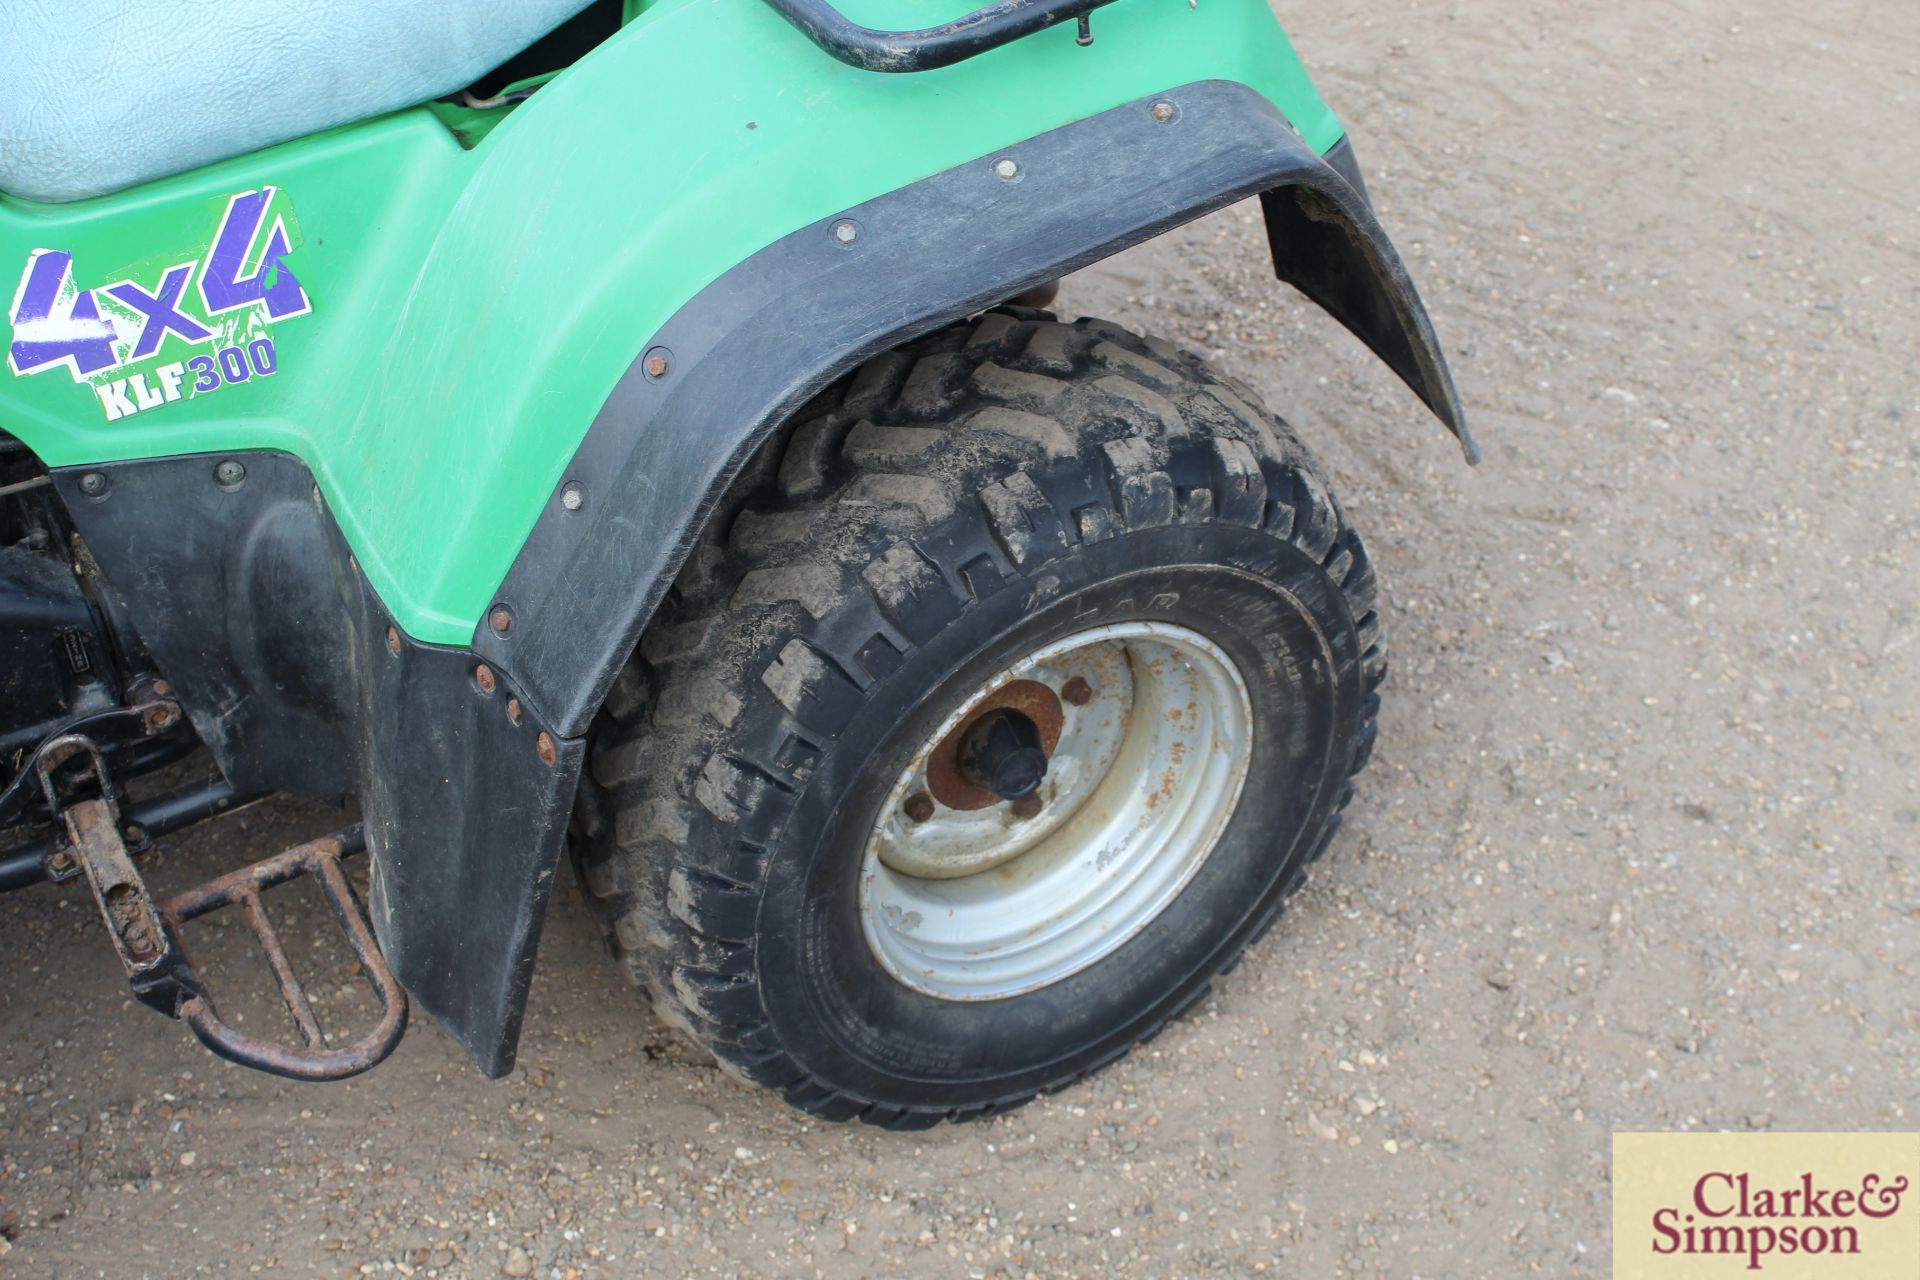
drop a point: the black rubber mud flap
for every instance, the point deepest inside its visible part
(1322, 246)
(738, 358)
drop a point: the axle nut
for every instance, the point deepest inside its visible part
(1003, 753)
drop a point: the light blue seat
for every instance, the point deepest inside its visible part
(96, 95)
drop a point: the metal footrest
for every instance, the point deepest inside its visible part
(318, 1059)
(161, 971)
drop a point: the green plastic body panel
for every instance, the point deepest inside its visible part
(471, 309)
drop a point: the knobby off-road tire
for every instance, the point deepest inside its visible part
(946, 509)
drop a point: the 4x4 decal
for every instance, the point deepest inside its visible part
(226, 302)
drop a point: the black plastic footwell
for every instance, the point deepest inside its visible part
(297, 679)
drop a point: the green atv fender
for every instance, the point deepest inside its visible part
(487, 373)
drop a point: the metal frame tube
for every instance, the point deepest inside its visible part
(26, 865)
(929, 47)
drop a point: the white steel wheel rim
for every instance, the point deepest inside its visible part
(983, 904)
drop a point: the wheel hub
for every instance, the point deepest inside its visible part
(1056, 812)
(1002, 753)
(947, 777)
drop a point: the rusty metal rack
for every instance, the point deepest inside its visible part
(148, 935)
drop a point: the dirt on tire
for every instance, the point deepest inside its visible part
(933, 483)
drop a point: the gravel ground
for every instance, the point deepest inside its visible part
(1636, 850)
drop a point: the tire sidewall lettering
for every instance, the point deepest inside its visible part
(861, 1019)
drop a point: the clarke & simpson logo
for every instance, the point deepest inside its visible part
(1785, 1205)
(1725, 1215)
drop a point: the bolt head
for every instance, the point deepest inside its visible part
(543, 745)
(229, 474)
(393, 641)
(845, 232)
(1006, 169)
(657, 363)
(513, 710)
(93, 484)
(1027, 806)
(919, 806)
(1162, 111)
(501, 619)
(573, 497)
(483, 677)
(1077, 691)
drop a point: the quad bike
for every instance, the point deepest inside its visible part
(631, 447)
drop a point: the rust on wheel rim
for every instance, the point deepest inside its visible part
(1148, 731)
(1031, 699)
